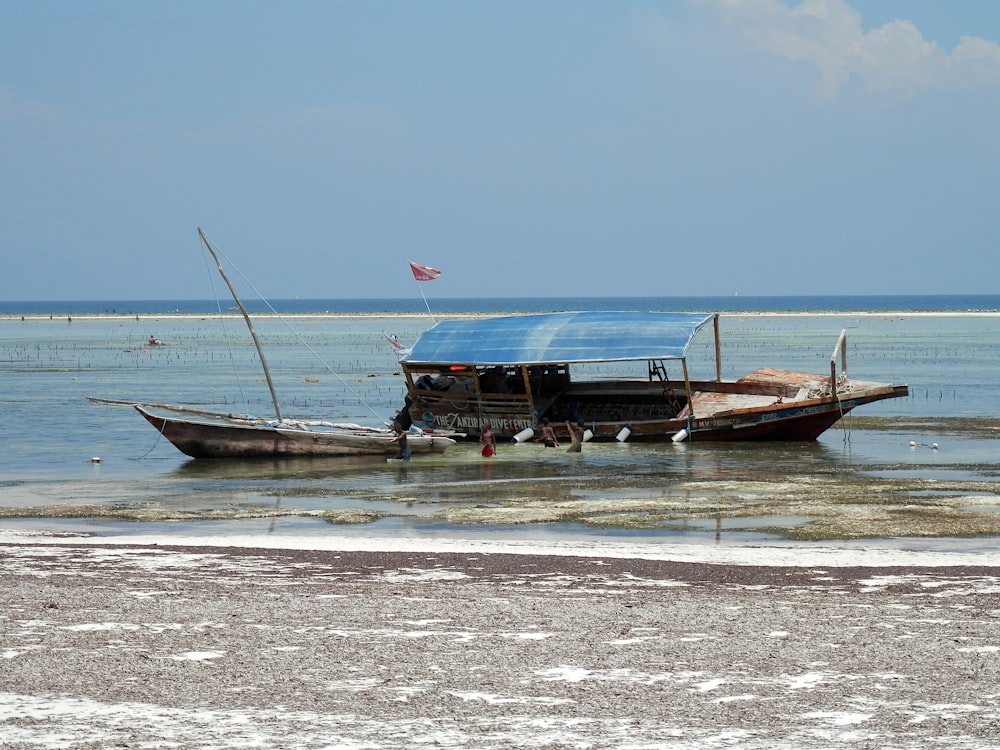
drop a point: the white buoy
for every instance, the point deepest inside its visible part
(623, 434)
(523, 435)
(681, 436)
(587, 435)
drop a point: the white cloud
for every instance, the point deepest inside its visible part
(828, 36)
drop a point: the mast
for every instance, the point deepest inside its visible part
(246, 317)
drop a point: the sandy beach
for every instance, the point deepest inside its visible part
(160, 643)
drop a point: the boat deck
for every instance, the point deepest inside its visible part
(785, 386)
(708, 404)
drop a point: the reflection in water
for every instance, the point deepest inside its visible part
(278, 468)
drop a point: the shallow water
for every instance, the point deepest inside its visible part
(862, 479)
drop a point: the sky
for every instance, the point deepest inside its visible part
(553, 149)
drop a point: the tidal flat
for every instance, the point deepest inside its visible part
(872, 482)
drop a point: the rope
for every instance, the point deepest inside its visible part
(843, 386)
(225, 334)
(159, 434)
(295, 333)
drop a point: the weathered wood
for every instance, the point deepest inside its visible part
(225, 439)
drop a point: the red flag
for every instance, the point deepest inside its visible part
(423, 273)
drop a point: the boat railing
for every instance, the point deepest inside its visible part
(841, 349)
(486, 404)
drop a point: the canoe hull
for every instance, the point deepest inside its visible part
(202, 438)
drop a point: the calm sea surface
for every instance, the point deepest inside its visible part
(835, 303)
(919, 472)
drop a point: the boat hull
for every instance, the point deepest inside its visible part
(795, 423)
(728, 415)
(199, 438)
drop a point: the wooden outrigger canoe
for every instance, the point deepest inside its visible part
(206, 434)
(512, 372)
(230, 436)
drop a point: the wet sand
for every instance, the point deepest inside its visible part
(158, 646)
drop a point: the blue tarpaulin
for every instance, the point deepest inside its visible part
(563, 337)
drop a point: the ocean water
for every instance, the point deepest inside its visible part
(920, 471)
(800, 304)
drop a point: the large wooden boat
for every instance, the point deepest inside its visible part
(512, 372)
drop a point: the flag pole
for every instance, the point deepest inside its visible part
(424, 297)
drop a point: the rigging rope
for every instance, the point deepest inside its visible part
(225, 334)
(291, 330)
(159, 434)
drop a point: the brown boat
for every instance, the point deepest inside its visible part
(208, 435)
(512, 372)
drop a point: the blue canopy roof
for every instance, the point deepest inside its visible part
(558, 338)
